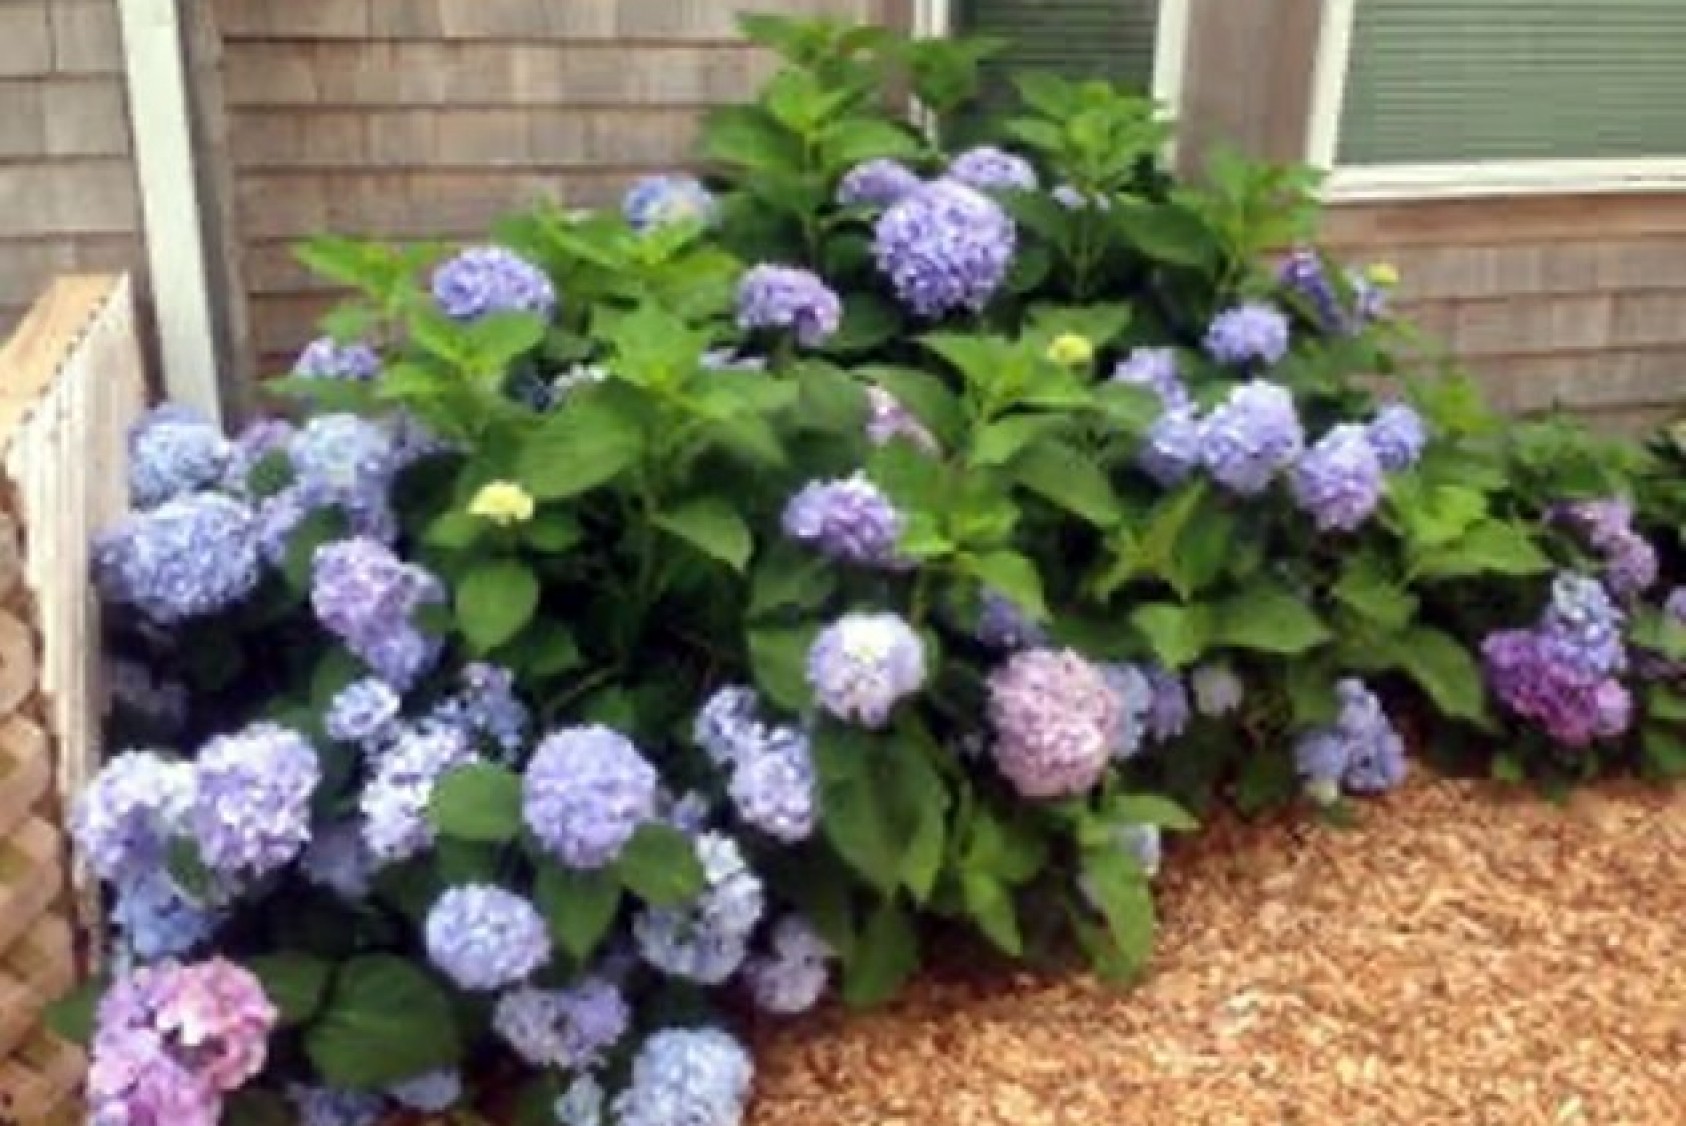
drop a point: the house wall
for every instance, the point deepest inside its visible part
(67, 189)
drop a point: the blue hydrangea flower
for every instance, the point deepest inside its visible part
(1250, 437)
(787, 298)
(485, 705)
(491, 279)
(1217, 690)
(581, 1104)
(687, 1077)
(430, 1092)
(394, 802)
(187, 558)
(1057, 722)
(1304, 273)
(774, 787)
(1172, 449)
(362, 712)
(568, 1029)
(123, 819)
(1582, 628)
(792, 975)
(338, 859)
(484, 938)
(706, 940)
(987, 168)
(849, 520)
(278, 517)
(155, 919)
(586, 791)
(1003, 625)
(327, 358)
(944, 247)
(728, 726)
(1167, 712)
(1248, 334)
(877, 183)
(173, 451)
(1156, 370)
(367, 597)
(260, 438)
(1361, 751)
(1339, 481)
(659, 201)
(251, 811)
(1136, 697)
(348, 462)
(1398, 434)
(863, 664)
(330, 1106)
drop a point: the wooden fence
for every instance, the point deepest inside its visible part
(70, 385)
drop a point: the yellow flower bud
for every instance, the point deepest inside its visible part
(1384, 274)
(503, 503)
(1071, 350)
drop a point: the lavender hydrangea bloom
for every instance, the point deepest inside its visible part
(784, 297)
(876, 183)
(278, 517)
(331, 1106)
(1338, 482)
(430, 1092)
(189, 557)
(1056, 721)
(1167, 712)
(1304, 273)
(251, 812)
(887, 420)
(849, 520)
(155, 919)
(792, 975)
(1003, 625)
(1533, 681)
(1254, 434)
(362, 712)
(1247, 334)
(1360, 751)
(1398, 434)
(944, 247)
(581, 1104)
(394, 802)
(707, 940)
(484, 938)
(132, 1078)
(483, 280)
(367, 597)
(660, 201)
(327, 358)
(486, 707)
(1582, 628)
(1217, 690)
(338, 859)
(586, 791)
(1172, 449)
(774, 787)
(987, 168)
(261, 438)
(1156, 370)
(1134, 691)
(123, 819)
(568, 1029)
(687, 1077)
(863, 664)
(1630, 562)
(173, 451)
(727, 727)
(344, 460)
(1675, 604)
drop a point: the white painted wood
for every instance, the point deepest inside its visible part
(1328, 83)
(1170, 64)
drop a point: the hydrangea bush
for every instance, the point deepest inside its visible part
(652, 614)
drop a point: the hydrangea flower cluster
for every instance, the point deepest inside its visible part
(792, 975)
(1338, 482)
(586, 792)
(788, 298)
(1251, 436)
(251, 809)
(945, 247)
(568, 1029)
(1562, 674)
(1630, 562)
(849, 520)
(1173, 447)
(188, 558)
(330, 1106)
(1398, 435)
(364, 711)
(661, 201)
(772, 786)
(1361, 751)
(1056, 722)
(1002, 624)
(346, 462)
(368, 597)
(1305, 273)
(990, 169)
(1217, 690)
(694, 1076)
(862, 665)
(877, 183)
(1248, 334)
(483, 280)
(706, 941)
(1157, 370)
(394, 802)
(327, 358)
(484, 938)
(485, 705)
(174, 451)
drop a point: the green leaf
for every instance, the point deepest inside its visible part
(385, 1020)
(1009, 847)
(830, 400)
(294, 982)
(453, 529)
(71, 1017)
(747, 137)
(1061, 475)
(495, 341)
(1444, 669)
(1435, 515)
(1203, 550)
(1490, 547)
(788, 578)
(548, 652)
(713, 527)
(1178, 635)
(1013, 576)
(554, 531)
(479, 802)
(1000, 442)
(1150, 809)
(1661, 633)
(578, 907)
(924, 395)
(990, 904)
(882, 805)
(1663, 750)
(494, 601)
(253, 1106)
(1120, 891)
(1269, 619)
(322, 526)
(1167, 232)
(1368, 590)
(660, 866)
(867, 324)
(585, 443)
(884, 958)
(778, 656)
(849, 142)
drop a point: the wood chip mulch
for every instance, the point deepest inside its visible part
(1461, 956)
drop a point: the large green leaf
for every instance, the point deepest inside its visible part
(578, 907)
(1178, 635)
(778, 657)
(1490, 547)
(294, 983)
(713, 527)
(1367, 589)
(1445, 670)
(1268, 618)
(494, 601)
(478, 802)
(660, 866)
(1013, 576)
(990, 904)
(1117, 886)
(586, 442)
(1063, 476)
(385, 1020)
(882, 805)
(884, 958)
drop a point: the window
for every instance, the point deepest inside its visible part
(1471, 97)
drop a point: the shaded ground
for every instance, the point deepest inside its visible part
(1461, 956)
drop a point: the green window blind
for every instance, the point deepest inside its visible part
(1111, 39)
(1446, 81)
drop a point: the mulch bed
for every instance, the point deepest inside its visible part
(1462, 955)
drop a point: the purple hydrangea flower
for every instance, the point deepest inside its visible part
(133, 1078)
(483, 280)
(367, 597)
(1167, 711)
(581, 1104)
(349, 462)
(155, 919)
(1532, 680)
(173, 451)
(774, 787)
(1253, 435)
(686, 1077)
(486, 706)
(1134, 691)
(1217, 690)
(278, 517)
(189, 557)
(706, 940)
(1361, 751)
(660, 201)
(784, 297)
(586, 792)
(338, 859)
(1630, 562)
(123, 819)
(728, 726)
(484, 938)
(327, 358)
(877, 183)
(945, 247)
(394, 802)
(251, 811)
(1248, 334)
(1002, 624)
(1398, 434)
(430, 1092)
(1582, 628)
(863, 664)
(987, 168)
(362, 712)
(1156, 370)
(792, 975)
(568, 1029)
(887, 419)
(1056, 721)
(1304, 273)
(1338, 482)
(332, 1106)
(849, 520)
(1172, 449)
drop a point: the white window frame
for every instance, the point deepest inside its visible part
(1452, 179)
